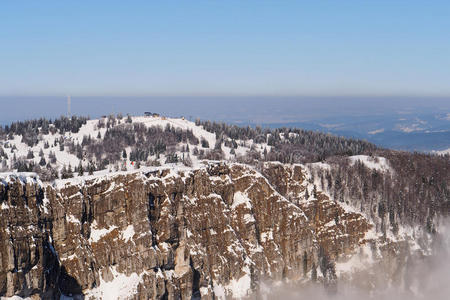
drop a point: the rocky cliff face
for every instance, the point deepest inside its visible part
(213, 232)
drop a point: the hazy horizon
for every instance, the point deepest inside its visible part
(239, 109)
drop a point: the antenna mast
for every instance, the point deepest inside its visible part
(68, 106)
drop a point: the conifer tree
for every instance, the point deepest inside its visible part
(42, 162)
(80, 170)
(63, 172)
(30, 154)
(91, 168)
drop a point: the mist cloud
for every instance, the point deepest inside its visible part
(426, 277)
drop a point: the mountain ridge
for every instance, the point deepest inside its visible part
(168, 208)
(240, 194)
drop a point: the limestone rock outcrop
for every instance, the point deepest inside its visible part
(211, 232)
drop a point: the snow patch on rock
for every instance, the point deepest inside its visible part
(72, 219)
(128, 233)
(97, 234)
(241, 199)
(121, 287)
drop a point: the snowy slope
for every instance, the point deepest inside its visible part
(16, 149)
(181, 123)
(374, 163)
(443, 152)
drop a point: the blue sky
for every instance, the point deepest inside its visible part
(228, 48)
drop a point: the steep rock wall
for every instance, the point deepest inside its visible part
(216, 231)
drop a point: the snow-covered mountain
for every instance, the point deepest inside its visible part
(173, 224)
(62, 146)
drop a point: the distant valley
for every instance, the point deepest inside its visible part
(412, 132)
